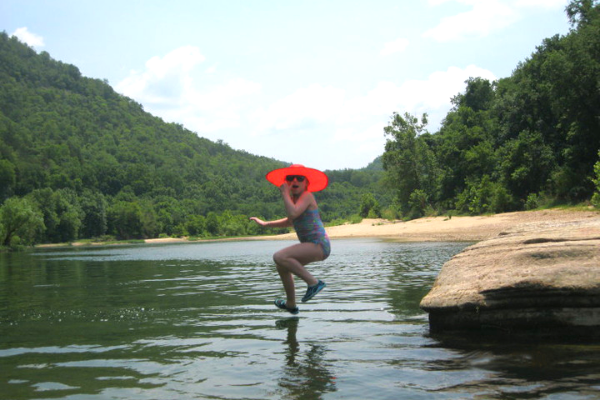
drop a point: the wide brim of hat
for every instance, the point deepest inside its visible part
(317, 179)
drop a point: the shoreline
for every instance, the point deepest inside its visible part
(426, 229)
(451, 229)
(459, 228)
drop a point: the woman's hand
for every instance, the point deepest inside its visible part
(258, 221)
(285, 188)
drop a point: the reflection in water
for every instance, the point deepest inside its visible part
(304, 375)
(522, 366)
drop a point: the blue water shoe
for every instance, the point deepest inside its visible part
(313, 290)
(279, 303)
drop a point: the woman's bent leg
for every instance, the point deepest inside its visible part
(292, 260)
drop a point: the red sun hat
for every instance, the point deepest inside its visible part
(317, 180)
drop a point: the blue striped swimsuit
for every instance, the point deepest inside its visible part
(309, 228)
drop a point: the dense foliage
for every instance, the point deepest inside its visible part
(508, 144)
(92, 163)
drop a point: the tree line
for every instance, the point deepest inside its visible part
(512, 144)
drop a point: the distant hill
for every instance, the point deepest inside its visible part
(375, 165)
(68, 139)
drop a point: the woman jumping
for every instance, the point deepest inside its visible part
(296, 184)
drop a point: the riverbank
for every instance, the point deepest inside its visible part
(467, 228)
(437, 229)
(427, 229)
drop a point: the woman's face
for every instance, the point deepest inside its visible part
(297, 183)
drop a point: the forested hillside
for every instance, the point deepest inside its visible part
(509, 145)
(78, 160)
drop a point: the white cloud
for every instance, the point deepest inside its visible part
(28, 38)
(357, 123)
(358, 127)
(415, 96)
(485, 17)
(396, 46)
(306, 106)
(178, 88)
(164, 79)
(437, 2)
(174, 88)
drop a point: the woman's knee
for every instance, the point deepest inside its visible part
(285, 258)
(279, 257)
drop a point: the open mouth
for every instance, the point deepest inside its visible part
(295, 186)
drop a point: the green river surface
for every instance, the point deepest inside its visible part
(197, 321)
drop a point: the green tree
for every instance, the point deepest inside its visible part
(478, 96)
(94, 206)
(125, 220)
(582, 12)
(62, 213)
(150, 223)
(369, 206)
(7, 179)
(196, 225)
(69, 213)
(20, 218)
(526, 165)
(408, 160)
(465, 145)
(556, 95)
(418, 204)
(212, 224)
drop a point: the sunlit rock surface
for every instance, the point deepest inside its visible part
(537, 276)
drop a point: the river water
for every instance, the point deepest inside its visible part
(196, 321)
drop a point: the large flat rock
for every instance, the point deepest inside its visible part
(535, 276)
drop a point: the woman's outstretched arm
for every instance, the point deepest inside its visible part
(280, 223)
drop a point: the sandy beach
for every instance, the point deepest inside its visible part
(470, 229)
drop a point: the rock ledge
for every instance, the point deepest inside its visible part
(535, 276)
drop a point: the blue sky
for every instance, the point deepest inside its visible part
(304, 81)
